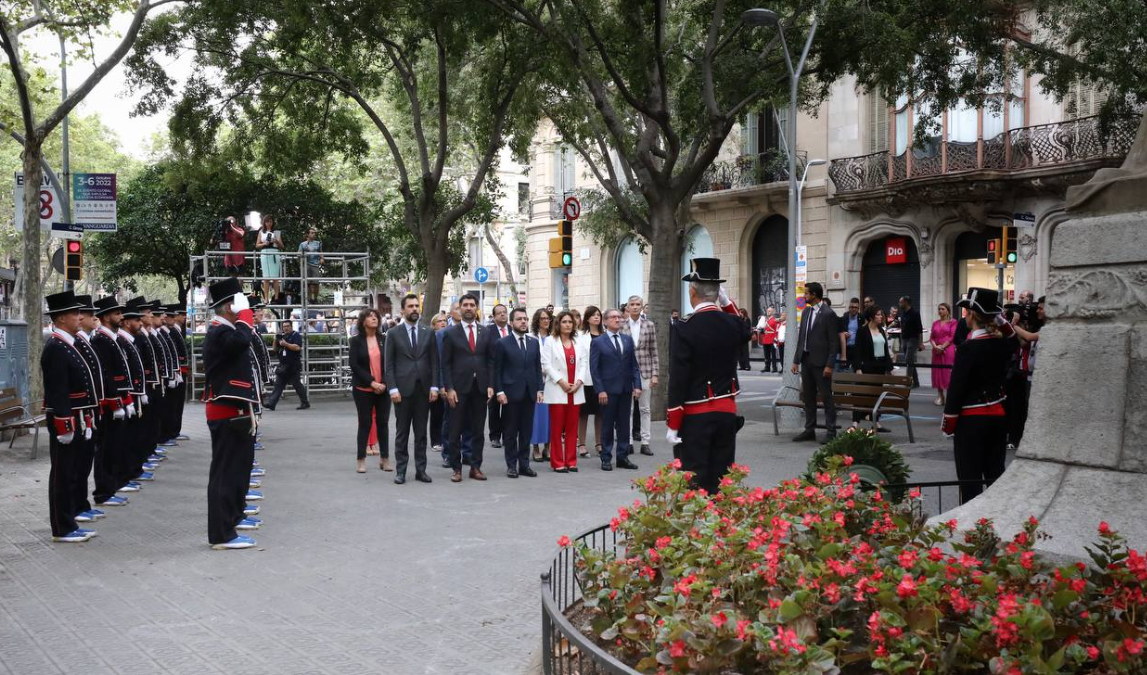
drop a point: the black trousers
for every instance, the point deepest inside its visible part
(814, 382)
(469, 414)
(1017, 389)
(111, 451)
(148, 431)
(284, 374)
(494, 414)
(615, 417)
(437, 414)
(66, 463)
(232, 455)
(518, 417)
(771, 362)
(180, 402)
(366, 402)
(84, 463)
(744, 356)
(411, 411)
(980, 448)
(708, 448)
(635, 417)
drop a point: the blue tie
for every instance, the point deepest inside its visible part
(617, 344)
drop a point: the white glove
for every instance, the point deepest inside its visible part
(178, 378)
(672, 437)
(130, 408)
(723, 297)
(66, 438)
(239, 303)
(119, 414)
(144, 399)
(87, 433)
(171, 384)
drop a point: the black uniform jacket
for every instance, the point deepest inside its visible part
(84, 346)
(262, 357)
(68, 381)
(703, 363)
(227, 362)
(135, 368)
(113, 361)
(979, 371)
(151, 371)
(162, 357)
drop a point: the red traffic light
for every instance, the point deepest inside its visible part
(992, 244)
(75, 246)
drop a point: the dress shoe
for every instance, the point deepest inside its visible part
(456, 477)
(804, 436)
(646, 450)
(528, 472)
(399, 479)
(422, 477)
(572, 469)
(269, 407)
(361, 466)
(303, 406)
(476, 473)
(496, 443)
(625, 464)
(511, 473)
(561, 469)
(605, 465)
(384, 464)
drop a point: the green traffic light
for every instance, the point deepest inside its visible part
(1012, 257)
(567, 259)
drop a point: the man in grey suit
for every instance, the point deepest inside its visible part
(813, 357)
(411, 367)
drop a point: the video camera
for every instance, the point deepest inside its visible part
(1023, 313)
(219, 236)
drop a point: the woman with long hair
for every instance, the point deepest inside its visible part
(942, 337)
(540, 327)
(590, 328)
(269, 242)
(371, 397)
(870, 353)
(564, 364)
(438, 407)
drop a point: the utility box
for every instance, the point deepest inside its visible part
(14, 362)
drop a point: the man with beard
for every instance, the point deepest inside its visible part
(411, 362)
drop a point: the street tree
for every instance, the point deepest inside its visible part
(440, 82)
(77, 24)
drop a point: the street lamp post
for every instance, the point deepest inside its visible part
(800, 189)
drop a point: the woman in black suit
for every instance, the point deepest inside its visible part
(870, 352)
(371, 397)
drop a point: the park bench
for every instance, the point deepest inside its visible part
(14, 416)
(875, 395)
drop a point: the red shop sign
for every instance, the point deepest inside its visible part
(895, 250)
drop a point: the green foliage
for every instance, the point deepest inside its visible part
(819, 577)
(866, 448)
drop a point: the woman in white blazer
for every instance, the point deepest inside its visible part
(565, 362)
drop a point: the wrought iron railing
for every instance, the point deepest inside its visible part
(1043, 145)
(771, 166)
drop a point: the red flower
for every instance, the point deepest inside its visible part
(662, 542)
(742, 626)
(677, 648)
(907, 558)
(907, 587)
(847, 460)
(676, 464)
(1092, 652)
(914, 493)
(719, 619)
(563, 541)
(1104, 528)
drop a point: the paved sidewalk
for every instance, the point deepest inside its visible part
(353, 574)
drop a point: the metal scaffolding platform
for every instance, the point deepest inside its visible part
(343, 280)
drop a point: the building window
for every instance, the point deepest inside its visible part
(1083, 99)
(877, 123)
(564, 163)
(523, 198)
(698, 244)
(474, 253)
(630, 272)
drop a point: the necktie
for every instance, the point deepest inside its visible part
(502, 331)
(522, 343)
(471, 327)
(413, 337)
(617, 344)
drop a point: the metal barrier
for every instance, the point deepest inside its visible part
(326, 355)
(938, 489)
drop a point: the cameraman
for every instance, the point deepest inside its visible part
(289, 347)
(1027, 318)
(230, 238)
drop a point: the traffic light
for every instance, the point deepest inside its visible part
(561, 246)
(1009, 254)
(994, 247)
(73, 260)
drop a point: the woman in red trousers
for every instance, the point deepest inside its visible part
(565, 363)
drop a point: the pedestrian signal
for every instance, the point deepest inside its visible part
(73, 260)
(993, 251)
(561, 246)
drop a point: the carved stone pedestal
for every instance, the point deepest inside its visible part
(1084, 454)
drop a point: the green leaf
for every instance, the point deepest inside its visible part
(790, 610)
(1063, 598)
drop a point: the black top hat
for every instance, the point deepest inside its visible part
(704, 269)
(134, 308)
(64, 301)
(180, 308)
(158, 307)
(87, 302)
(108, 304)
(986, 301)
(222, 291)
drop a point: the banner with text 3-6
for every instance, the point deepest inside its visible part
(94, 201)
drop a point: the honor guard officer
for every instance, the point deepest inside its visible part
(147, 438)
(125, 338)
(178, 316)
(173, 408)
(974, 412)
(262, 358)
(110, 466)
(70, 404)
(166, 362)
(231, 396)
(702, 416)
(88, 323)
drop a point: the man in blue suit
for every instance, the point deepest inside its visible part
(446, 418)
(516, 363)
(617, 381)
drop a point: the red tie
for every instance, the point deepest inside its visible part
(471, 338)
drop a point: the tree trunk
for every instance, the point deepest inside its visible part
(182, 289)
(33, 293)
(435, 279)
(503, 260)
(664, 285)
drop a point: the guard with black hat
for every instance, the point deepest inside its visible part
(135, 427)
(702, 418)
(84, 511)
(169, 429)
(974, 413)
(231, 397)
(153, 317)
(177, 317)
(147, 438)
(112, 443)
(70, 404)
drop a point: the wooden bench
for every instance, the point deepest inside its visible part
(875, 395)
(14, 416)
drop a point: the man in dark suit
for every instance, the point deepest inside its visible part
(617, 380)
(464, 373)
(411, 358)
(911, 337)
(817, 345)
(500, 329)
(516, 366)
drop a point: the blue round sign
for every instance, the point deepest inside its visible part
(481, 275)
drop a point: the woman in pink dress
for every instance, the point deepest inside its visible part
(943, 351)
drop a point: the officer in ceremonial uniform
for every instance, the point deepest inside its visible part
(261, 357)
(178, 325)
(173, 407)
(148, 437)
(84, 511)
(112, 443)
(164, 359)
(974, 413)
(70, 404)
(134, 429)
(702, 418)
(232, 398)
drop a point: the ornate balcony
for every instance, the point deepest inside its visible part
(1074, 144)
(771, 166)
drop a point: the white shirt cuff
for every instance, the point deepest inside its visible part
(434, 390)
(393, 391)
